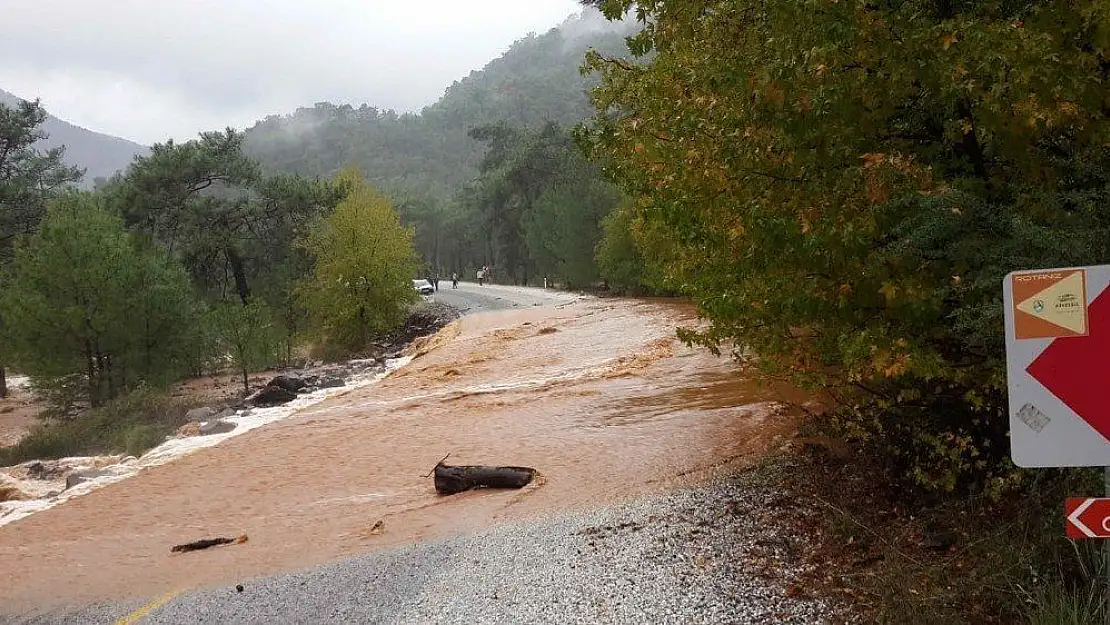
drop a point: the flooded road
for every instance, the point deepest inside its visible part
(598, 395)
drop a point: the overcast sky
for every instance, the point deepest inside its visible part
(149, 70)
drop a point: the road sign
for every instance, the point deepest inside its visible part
(1087, 517)
(1058, 366)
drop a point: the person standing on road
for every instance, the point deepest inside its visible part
(481, 276)
(455, 280)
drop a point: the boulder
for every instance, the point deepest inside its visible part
(290, 383)
(80, 477)
(332, 381)
(216, 427)
(191, 428)
(10, 491)
(273, 396)
(200, 414)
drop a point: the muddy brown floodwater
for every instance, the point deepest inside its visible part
(598, 395)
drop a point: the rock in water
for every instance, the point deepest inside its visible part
(10, 491)
(290, 383)
(273, 396)
(80, 477)
(216, 427)
(200, 414)
(332, 382)
(191, 428)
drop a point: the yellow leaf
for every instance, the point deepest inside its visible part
(889, 291)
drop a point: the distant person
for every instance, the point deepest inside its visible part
(455, 280)
(435, 282)
(481, 276)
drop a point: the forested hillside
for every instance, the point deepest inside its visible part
(98, 154)
(481, 174)
(537, 80)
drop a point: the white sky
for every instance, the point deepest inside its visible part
(149, 70)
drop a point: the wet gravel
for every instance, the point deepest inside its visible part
(708, 555)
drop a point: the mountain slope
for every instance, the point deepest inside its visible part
(99, 154)
(535, 81)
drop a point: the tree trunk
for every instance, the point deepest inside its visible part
(450, 480)
(246, 382)
(90, 371)
(236, 263)
(3, 383)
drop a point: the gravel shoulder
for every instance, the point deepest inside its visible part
(713, 554)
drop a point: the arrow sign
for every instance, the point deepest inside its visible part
(1087, 518)
(1077, 369)
(1058, 366)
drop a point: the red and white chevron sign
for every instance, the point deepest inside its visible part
(1087, 518)
(1058, 366)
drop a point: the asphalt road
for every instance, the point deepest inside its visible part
(470, 298)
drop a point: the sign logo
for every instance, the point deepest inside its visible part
(1050, 304)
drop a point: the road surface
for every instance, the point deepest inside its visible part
(596, 394)
(470, 298)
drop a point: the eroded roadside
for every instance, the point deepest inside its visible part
(598, 395)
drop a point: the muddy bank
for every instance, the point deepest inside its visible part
(38, 485)
(597, 395)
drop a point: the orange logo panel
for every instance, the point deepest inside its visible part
(1050, 304)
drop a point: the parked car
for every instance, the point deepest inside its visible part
(423, 286)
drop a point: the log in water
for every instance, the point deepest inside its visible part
(456, 479)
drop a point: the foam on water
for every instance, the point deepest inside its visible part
(172, 449)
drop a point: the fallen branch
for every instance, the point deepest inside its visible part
(197, 545)
(438, 464)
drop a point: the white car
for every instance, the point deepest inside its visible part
(423, 286)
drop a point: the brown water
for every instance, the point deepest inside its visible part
(598, 395)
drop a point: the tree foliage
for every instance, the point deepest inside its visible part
(210, 205)
(363, 265)
(848, 183)
(82, 298)
(245, 333)
(539, 203)
(28, 178)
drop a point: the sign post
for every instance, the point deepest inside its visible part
(1058, 374)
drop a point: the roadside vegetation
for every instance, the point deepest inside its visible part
(841, 188)
(188, 263)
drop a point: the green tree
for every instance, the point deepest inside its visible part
(363, 264)
(246, 334)
(28, 178)
(848, 183)
(540, 203)
(83, 299)
(562, 229)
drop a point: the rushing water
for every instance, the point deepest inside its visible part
(598, 395)
(49, 493)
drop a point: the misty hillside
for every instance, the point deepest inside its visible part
(99, 154)
(536, 80)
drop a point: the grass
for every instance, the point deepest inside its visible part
(131, 425)
(903, 557)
